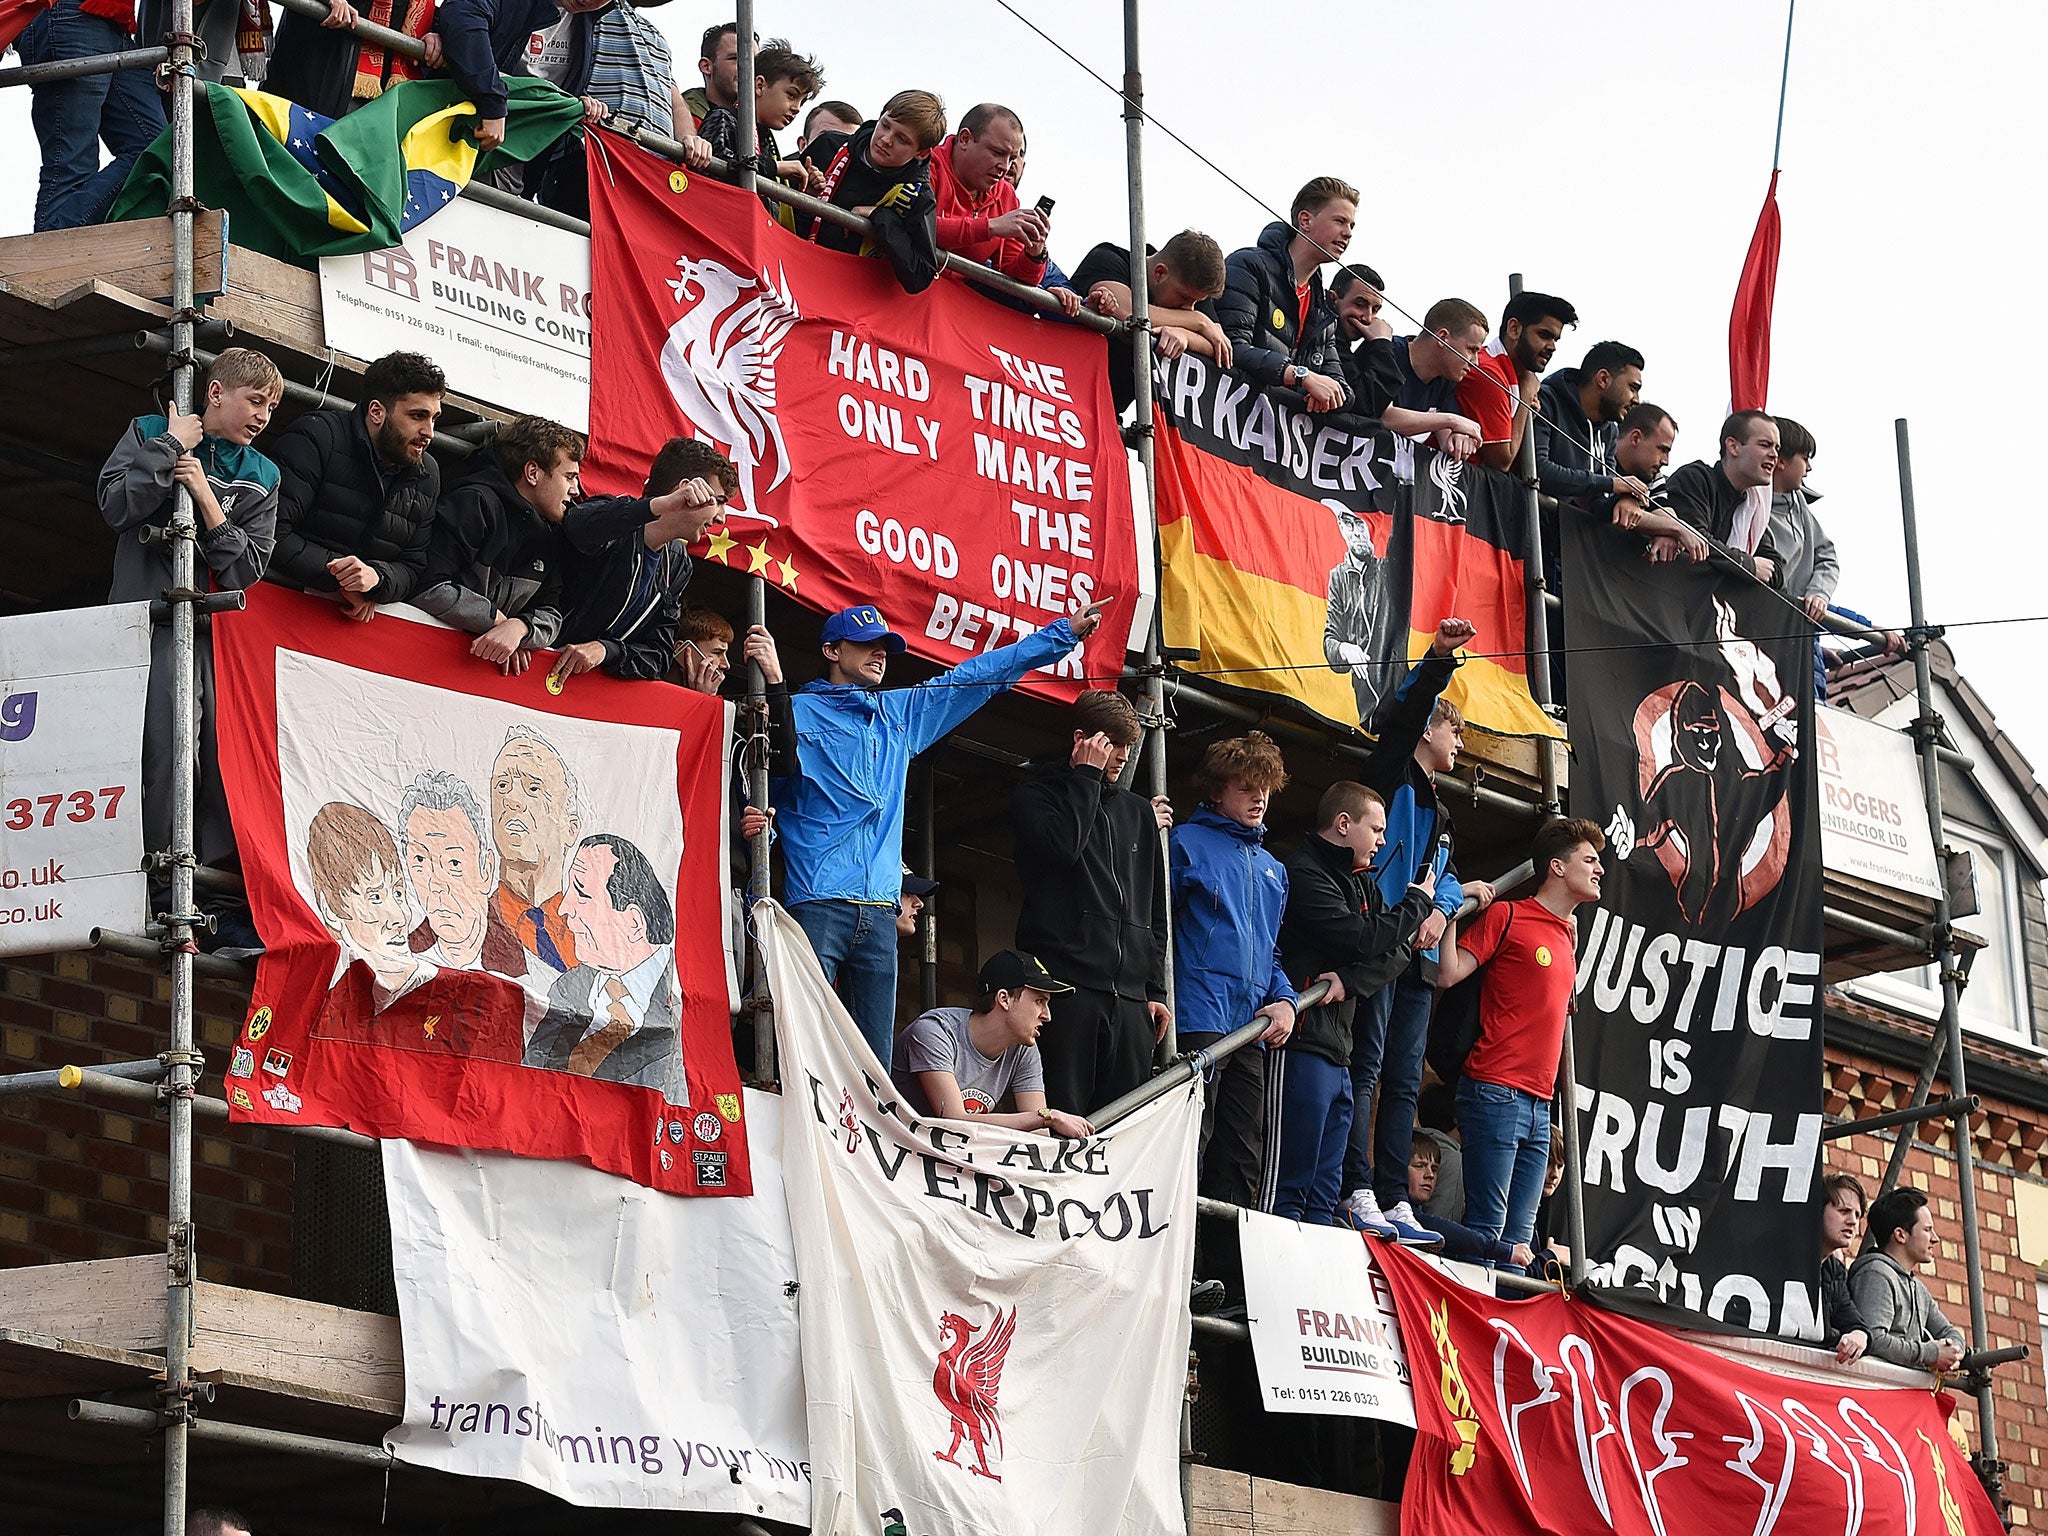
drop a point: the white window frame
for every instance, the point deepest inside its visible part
(1918, 991)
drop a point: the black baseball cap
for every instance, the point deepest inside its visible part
(1012, 970)
(917, 885)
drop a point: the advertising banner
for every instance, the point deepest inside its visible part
(493, 909)
(500, 302)
(72, 688)
(1873, 814)
(951, 461)
(616, 1346)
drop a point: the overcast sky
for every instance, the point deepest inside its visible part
(1615, 154)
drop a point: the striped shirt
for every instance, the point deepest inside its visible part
(632, 72)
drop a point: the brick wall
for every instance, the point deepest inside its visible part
(2006, 1178)
(83, 1178)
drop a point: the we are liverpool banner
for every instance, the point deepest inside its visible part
(1313, 555)
(1699, 1001)
(995, 1323)
(952, 461)
(493, 913)
(1549, 1415)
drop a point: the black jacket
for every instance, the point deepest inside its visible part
(904, 215)
(1704, 496)
(1260, 314)
(1093, 875)
(491, 553)
(1335, 921)
(1838, 1311)
(619, 592)
(1574, 460)
(335, 498)
(1372, 373)
(485, 40)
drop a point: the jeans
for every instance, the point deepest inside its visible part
(71, 117)
(1393, 1029)
(1308, 1127)
(855, 942)
(1505, 1134)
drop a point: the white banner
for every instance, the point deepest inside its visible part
(611, 1344)
(1324, 1334)
(1873, 812)
(72, 690)
(500, 302)
(995, 1323)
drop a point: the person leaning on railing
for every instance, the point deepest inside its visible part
(1281, 327)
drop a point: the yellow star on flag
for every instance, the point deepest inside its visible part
(720, 543)
(757, 558)
(789, 573)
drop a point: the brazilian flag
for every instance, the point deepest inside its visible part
(299, 186)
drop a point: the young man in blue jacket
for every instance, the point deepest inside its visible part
(1228, 897)
(1420, 735)
(840, 814)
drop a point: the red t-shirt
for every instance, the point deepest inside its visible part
(1523, 994)
(1490, 392)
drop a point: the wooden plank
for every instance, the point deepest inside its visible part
(34, 1364)
(1226, 1503)
(272, 301)
(305, 1348)
(1284, 1509)
(117, 1303)
(135, 255)
(1219, 1501)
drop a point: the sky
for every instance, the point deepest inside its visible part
(1613, 153)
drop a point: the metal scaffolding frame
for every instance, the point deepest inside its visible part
(169, 1080)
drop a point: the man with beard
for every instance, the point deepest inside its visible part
(534, 823)
(1355, 638)
(453, 870)
(1502, 383)
(356, 490)
(1582, 412)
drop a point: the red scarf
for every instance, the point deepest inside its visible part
(373, 69)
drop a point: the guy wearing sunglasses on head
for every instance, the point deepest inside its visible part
(625, 583)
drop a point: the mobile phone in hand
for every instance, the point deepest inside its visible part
(1044, 208)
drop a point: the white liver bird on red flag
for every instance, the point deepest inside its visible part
(719, 363)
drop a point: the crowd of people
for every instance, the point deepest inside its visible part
(1321, 1123)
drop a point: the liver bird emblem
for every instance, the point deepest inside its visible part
(719, 363)
(969, 1377)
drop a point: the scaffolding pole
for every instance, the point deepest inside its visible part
(1926, 736)
(182, 1059)
(1141, 436)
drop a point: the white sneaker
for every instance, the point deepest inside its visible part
(1361, 1212)
(1412, 1233)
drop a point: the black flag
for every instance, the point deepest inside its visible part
(1699, 1005)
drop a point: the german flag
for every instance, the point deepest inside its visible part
(1295, 548)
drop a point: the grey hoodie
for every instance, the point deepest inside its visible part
(1906, 1327)
(1811, 569)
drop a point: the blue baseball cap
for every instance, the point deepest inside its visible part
(863, 623)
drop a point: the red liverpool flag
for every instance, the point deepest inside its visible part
(1549, 1414)
(1749, 323)
(494, 909)
(952, 461)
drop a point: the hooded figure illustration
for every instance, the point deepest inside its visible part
(1712, 763)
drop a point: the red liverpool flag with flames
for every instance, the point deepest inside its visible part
(1550, 1414)
(493, 908)
(952, 461)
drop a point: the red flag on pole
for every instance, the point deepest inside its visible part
(1749, 323)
